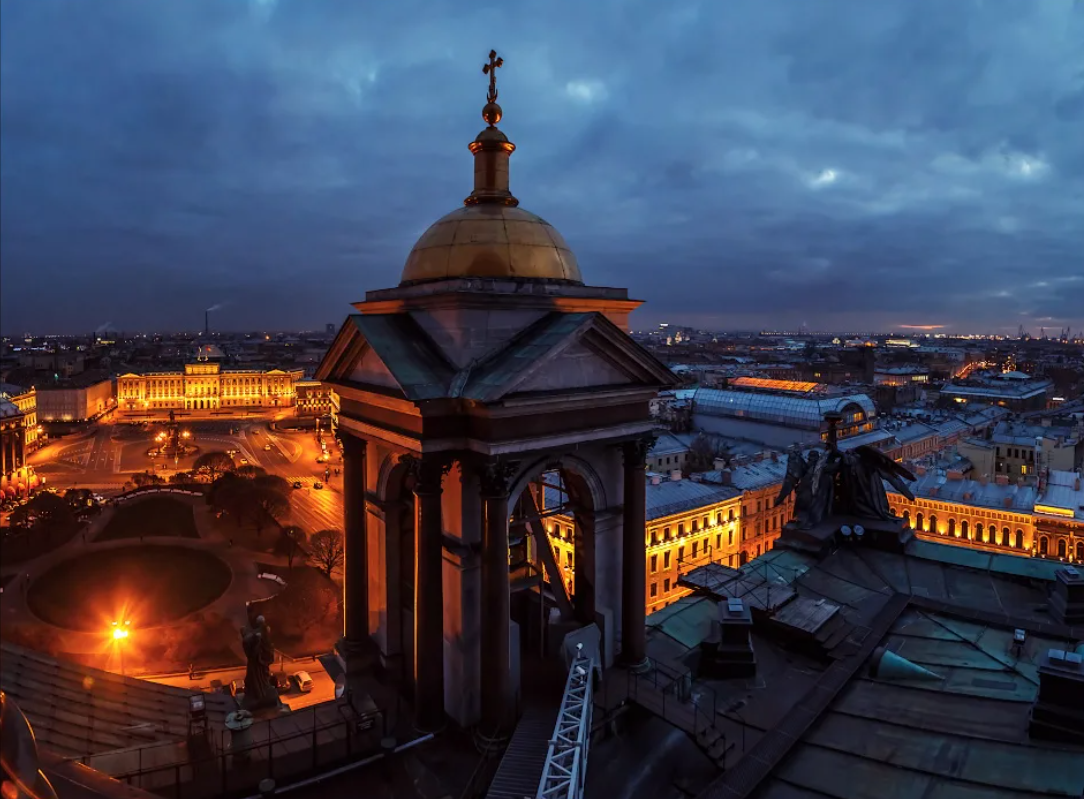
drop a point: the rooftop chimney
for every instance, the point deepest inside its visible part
(726, 477)
(728, 653)
(655, 480)
(675, 475)
(1001, 479)
(1007, 502)
(1055, 714)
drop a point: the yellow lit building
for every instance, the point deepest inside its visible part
(688, 524)
(26, 401)
(205, 386)
(313, 398)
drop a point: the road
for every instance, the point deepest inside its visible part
(106, 456)
(323, 687)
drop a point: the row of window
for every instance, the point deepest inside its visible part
(985, 533)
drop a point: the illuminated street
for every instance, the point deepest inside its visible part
(105, 457)
(323, 687)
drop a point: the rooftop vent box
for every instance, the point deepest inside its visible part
(1067, 596)
(1058, 711)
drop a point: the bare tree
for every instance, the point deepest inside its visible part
(291, 543)
(212, 465)
(327, 548)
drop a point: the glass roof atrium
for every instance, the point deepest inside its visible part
(805, 412)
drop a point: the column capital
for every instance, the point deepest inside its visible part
(635, 451)
(428, 471)
(496, 477)
(353, 446)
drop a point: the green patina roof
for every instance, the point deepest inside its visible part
(410, 355)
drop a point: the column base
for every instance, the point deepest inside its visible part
(638, 667)
(357, 656)
(489, 744)
(429, 726)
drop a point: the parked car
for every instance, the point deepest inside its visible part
(317, 486)
(237, 687)
(283, 682)
(218, 688)
(302, 680)
(297, 484)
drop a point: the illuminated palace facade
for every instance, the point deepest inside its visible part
(999, 516)
(206, 387)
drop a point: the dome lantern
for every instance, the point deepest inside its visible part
(491, 237)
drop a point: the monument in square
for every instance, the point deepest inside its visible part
(491, 369)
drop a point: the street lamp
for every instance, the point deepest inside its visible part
(121, 632)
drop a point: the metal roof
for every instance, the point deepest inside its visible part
(790, 411)
(677, 496)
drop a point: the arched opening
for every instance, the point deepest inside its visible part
(1006, 540)
(952, 527)
(1044, 545)
(963, 529)
(933, 524)
(918, 522)
(907, 517)
(979, 536)
(1019, 539)
(557, 572)
(1079, 551)
(1063, 548)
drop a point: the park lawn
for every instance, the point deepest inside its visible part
(305, 616)
(154, 516)
(152, 585)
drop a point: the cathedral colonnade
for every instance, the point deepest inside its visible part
(427, 573)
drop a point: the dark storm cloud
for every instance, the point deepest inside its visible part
(740, 164)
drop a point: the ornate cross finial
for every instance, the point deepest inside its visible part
(491, 70)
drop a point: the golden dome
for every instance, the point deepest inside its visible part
(491, 236)
(491, 240)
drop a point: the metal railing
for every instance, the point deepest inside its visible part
(229, 770)
(670, 693)
(565, 770)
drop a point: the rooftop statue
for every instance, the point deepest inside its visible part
(812, 480)
(843, 483)
(260, 689)
(862, 475)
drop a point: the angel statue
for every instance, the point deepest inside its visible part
(862, 477)
(812, 479)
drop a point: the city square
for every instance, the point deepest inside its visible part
(750, 467)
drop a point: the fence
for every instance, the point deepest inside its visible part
(224, 770)
(667, 692)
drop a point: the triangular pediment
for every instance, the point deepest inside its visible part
(561, 352)
(577, 366)
(387, 351)
(566, 352)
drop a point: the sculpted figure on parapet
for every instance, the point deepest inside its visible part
(851, 483)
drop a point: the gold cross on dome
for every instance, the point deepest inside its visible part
(491, 70)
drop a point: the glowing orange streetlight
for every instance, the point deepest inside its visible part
(120, 636)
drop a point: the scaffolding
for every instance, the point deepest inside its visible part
(566, 761)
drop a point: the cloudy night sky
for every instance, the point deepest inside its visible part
(739, 165)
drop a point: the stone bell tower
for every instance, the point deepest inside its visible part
(489, 381)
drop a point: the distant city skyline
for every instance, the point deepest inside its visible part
(908, 164)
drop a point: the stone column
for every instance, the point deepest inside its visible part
(634, 555)
(498, 711)
(356, 560)
(428, 595)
